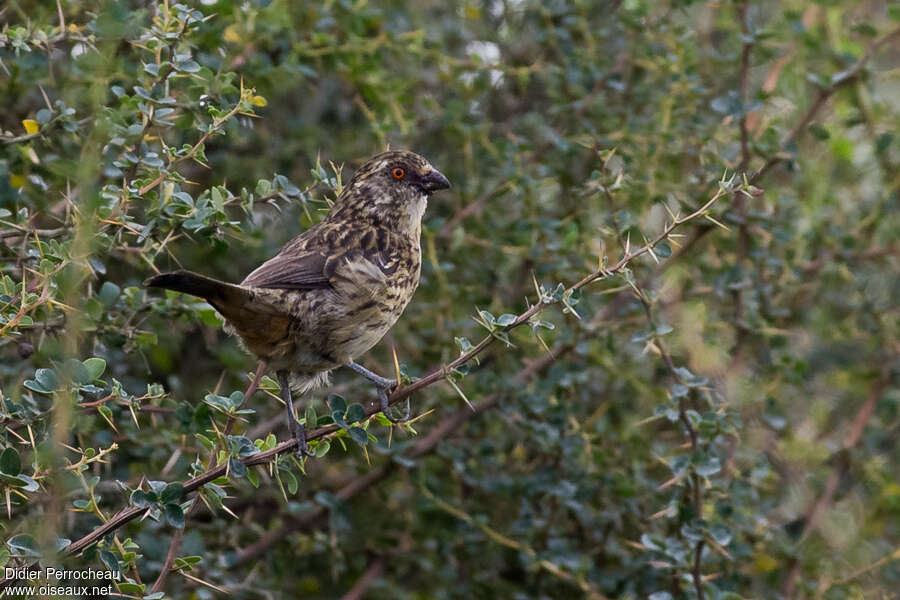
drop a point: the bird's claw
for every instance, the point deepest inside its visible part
(299, 432)
(302, 450)
(383, 385)
(385, 406)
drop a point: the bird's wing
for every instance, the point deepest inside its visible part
(295, 271)
(332, 259)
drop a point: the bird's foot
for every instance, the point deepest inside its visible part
(384, 387)
(385, 406)
(297, 429)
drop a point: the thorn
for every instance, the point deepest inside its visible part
(537, 288)
(396, 364)
(669, 210)
(459, 391)
(716, 222)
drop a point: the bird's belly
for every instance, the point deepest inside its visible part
(357, 334)
(319, 330)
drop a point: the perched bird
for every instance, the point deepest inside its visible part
(333, 291)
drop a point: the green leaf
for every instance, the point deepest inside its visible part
(338, 418)
(172, 492)
(106, 413)
(126, 587)
(355, 413)
(819, 132)
(26, 483)
(506, 319)
(721, 533)
(709, 466)
(34, 386)
(236, 467)
(76, 369)
(464, 344)
(253, 478)
(679, 463)
(337, 403)
(359, 435)
(322, 448)
(663, 250)
(310, 416)
(146, 339)
(10, 463)
(109, 293)
(174, 515)
(109, 559)
(95, 367)
(663, 329)
(488, 318)
(47, 379)
(23, 544)
(139, 498)
(187, 66)
(290, 481)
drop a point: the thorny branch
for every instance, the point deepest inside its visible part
(175, 544)
(601, 273)
(840, 81)
(689, 428)
(423, 446)
(848, 77)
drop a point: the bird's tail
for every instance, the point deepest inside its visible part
(218, 293)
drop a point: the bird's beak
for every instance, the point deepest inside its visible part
(433, 181)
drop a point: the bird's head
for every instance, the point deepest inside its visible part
(392, 187)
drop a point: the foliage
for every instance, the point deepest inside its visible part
(713, 418)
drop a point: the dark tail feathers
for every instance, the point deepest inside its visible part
(215, 291)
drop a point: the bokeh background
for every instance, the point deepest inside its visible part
(718, 421)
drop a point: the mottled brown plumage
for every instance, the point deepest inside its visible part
(333, 291)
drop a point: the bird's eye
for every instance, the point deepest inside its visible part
(398, 173)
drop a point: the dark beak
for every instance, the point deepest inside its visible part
(433, 181)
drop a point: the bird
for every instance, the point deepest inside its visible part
(332, 292)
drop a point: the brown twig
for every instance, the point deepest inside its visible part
(689, 428)
(849, 76)
(427, 444)
(214, 128)
(362, 585)
(438, 374)
(178, 536)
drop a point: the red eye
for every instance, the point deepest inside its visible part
(398, 173)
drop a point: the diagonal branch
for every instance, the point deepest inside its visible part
(839, 81)
(371, 408)
(178, 536)
(848, 77)
(423, 446)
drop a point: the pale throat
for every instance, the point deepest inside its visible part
(413, 212)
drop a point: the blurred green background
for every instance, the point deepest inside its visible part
(721, 421)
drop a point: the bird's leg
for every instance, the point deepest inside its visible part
(382, 384)
(296, 428)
